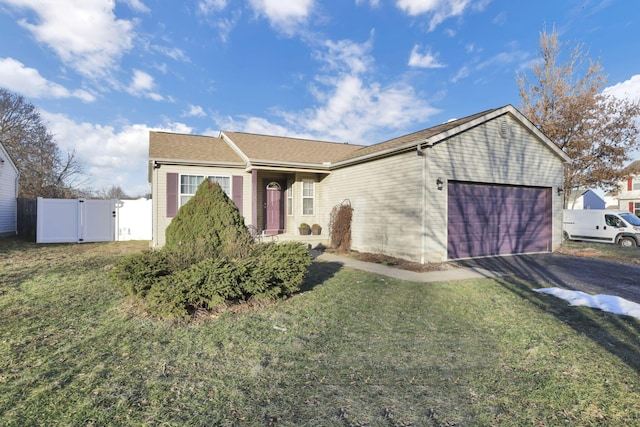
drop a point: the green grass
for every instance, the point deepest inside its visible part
(358, 349)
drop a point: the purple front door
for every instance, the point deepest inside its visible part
(273, 211)
(488, 219)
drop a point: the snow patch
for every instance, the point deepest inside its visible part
(612, 304)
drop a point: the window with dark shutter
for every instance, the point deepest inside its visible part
(172, 194)
(236, 192)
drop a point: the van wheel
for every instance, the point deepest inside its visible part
(627, 242)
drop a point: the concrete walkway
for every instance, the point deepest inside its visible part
(412, 276)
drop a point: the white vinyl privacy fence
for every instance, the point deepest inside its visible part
(85, 220)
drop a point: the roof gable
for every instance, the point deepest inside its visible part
(633, 168)
(5, 159)
(191, 148)
(277, 149)
(446, 130)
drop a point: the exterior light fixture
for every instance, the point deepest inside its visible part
(560, 190)
(440, 183)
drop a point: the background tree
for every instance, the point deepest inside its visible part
(565, 101)
(44, 170)
(113, 192)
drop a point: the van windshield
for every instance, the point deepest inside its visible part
(630, 218)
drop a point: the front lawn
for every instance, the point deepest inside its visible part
(353, 349)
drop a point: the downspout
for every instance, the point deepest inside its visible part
(423, 231)
(156, 203)
(423, 234)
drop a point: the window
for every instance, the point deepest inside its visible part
(636, 211)
(612, 221)
(290, 198)
(307, 197)
(636, 184)
(633, 220)
(189, 184)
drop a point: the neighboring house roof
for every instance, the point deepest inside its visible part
(5, 158)
(633, 168)
(191, 148)
(264, 150)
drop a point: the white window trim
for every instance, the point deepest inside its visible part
(313, 198)
(290, 196)
(180, 193)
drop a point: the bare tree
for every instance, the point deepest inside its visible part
(113, 192)
(44, 171)
(565, 101)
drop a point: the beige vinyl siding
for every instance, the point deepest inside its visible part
(159, 183)
(385, 196)
(387, 193)
(483, 155)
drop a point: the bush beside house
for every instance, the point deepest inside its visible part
(210, 259)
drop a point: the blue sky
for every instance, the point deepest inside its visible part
(104, 73)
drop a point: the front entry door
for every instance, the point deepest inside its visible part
(273, 207)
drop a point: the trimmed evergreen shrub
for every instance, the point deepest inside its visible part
(209, 225)
(135, 274)
(210, 259)
(271, 271)
(279, 270)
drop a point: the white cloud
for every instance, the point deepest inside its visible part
(628, 89)
(499, 61)
(28, 82)
(374, 3)
(136, 5)
(284, 16)
(224, 24)
(111, 156)
(194, 111)
(504, 58)
(462, 73)
(85, 34)
(439, 10)
(211, 6)
(257, 125)
(142, 84)
(174, 53)
(346, 56)
(426, 60)
(351, 105)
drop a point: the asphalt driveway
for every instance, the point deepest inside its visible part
(591, 275)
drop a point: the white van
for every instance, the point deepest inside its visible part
(602, 225)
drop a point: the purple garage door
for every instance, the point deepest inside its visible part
(488, 219)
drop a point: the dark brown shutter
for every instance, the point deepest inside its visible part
(236, 192)
(172, 194)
